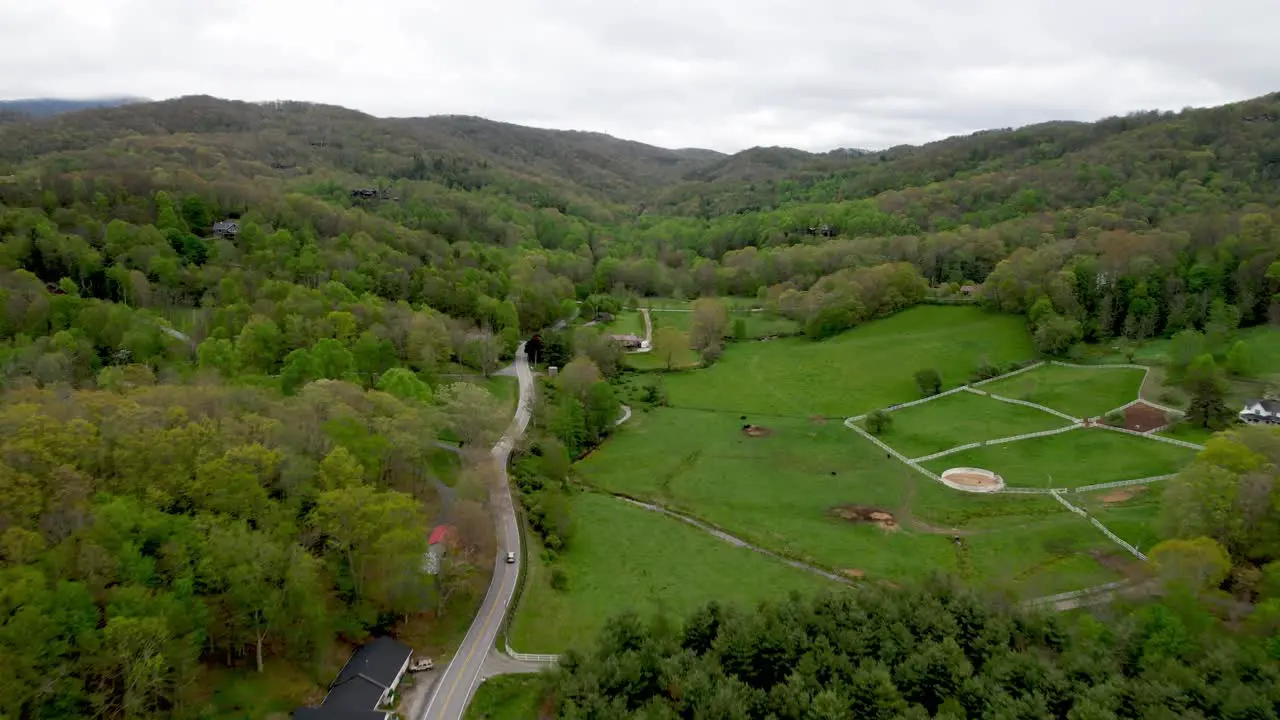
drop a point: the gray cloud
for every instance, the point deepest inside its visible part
(724, 74)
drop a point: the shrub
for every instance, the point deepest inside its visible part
(559, 579)
(878, 422)
(929, 381)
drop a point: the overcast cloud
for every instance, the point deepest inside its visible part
(723, 74)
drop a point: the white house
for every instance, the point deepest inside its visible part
(1261, 411)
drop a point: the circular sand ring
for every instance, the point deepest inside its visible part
(972, 480)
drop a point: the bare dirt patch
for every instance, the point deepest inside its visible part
(863, 514)
(1122, 563)
(818, 420)
(1141, 417)
(853, 572)
(756, 431)
(1123, 494)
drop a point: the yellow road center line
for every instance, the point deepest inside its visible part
(467, 660)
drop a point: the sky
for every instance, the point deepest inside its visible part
(720, 74)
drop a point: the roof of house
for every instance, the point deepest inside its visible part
(379, 661)
(439, 534)
(335, 713)
(354, 693)
(1271, 406)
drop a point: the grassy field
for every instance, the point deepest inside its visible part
(627, 558)
(1264, 349)
(960, 419)
(507, 697)
(857, 371)
(778, 491)
(1073, 459)
(1079, 392)
(626, 322)
(757, 324)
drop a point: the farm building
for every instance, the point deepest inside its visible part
(364, 685)
(441, 537)
(1261, 411)
(630, 342)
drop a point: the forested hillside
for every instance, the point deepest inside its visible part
(229, 334)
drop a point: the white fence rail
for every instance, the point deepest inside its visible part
(1122, 483)
(1019, 371)
(1161, 438)
(533, 657)
(1073, 594)
(1104, 366)
(996, 441)
(1113, 537)
(921, 401)
(1025, 403)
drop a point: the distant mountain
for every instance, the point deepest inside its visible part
(44, 107)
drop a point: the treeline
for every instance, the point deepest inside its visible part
(149, 532)
(932, 652)
(1228, 500)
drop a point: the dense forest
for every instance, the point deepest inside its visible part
(930, 652)
(232, 335)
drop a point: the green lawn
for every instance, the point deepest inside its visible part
(626, 558)
(507, 697)
(506, 389)
(1079, 392)
(1073, 459)
(1264, 349)
(758, 324)
(626, 322)
(857, 371)
(684, 358)
(679, 320)
(960, 419)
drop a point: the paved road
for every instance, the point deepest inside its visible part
(458, 682)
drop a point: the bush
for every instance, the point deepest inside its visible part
(929, 381)
(878, 422)
(559, 579)
(1115, 418)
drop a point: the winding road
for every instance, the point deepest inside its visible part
(458, 682)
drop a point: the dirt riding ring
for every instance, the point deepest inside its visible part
(972, 480)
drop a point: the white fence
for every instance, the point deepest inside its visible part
(1032, 405)
(1161, 438)
(1122, 483)
(922, 401)
(1114, 538)
(997, 441)
(1073, 594)
(1104, 366)
(1007, 375)
(853, 425)
(533, 657)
